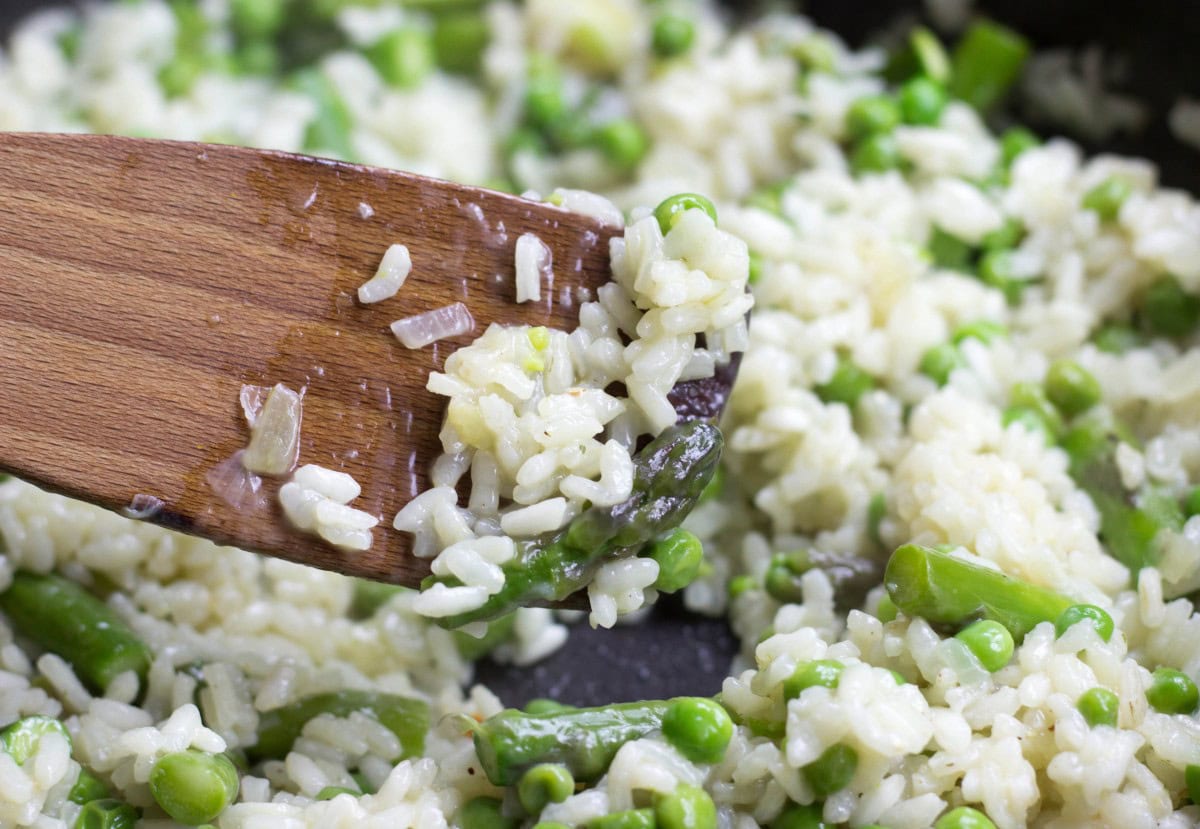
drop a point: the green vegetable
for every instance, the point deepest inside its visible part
(986, 63)
(485, 813)
(921, 55)
(550, 824)
(940, 361)
(1168, 310)
(1005, 237)
(179, 75)
(688, 807)
(1099, 706)
(989, 641)
(818, 672)
(369, 596)
(922, 101)
(499, 631)
(257, 18)
(876, 512)
(542, 784)
(1032, 396)
(1071, 387)
(107, 813)
(756, 268)
(1014, 142)
(403, 57)
(832, 771)
(545, 101)
(671, 35)
(1076, 613)
(679, 555)
(699, 727)
(329, 129)
(1030, 419)
(886, 610)
(582, 739)
(964, 817)
(192, 786)
(948, 251)
(670, 473)
(875, 153)
(330, 792)
(1191, 503)
(87, 788)
(459, 39)
(629, 819)
(278, 728)
(795, 816)
(770, 197)
(671, 208)
(848, 383)
(943, 589)
(1117, 338)
(1192, 778)
(622, 142)
(996, 269)
(62, 617)
(983, 330)
(20, 739)
(740, 584)
(545, 705)
(782, 579)
(871, 115)
(1172, 692)
(1106, 198)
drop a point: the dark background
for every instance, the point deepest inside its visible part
(674, 652)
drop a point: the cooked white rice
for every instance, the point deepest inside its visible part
(843, 273)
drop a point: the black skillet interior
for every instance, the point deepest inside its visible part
(674, 652)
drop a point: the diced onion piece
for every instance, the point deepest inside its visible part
(234, 483)
(532, 261)
(393, 270)
(275, 435)
(143, 506)
(252, 398)
(420, 330)
(328, 483)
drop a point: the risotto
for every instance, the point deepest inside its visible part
(956, 523)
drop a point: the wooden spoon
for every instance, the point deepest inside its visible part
(145, 282)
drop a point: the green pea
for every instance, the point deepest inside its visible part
(699, 727)
(179, 75)
(964, 817)
(782, 580)
(770, 197)
(671, 208)
(886, 611)
(403, 57)
(1191, 777)
(832, 771)
(545, 102)
(990, 641)
(550, 824)
(1030, 420)
(922, 101)
(544, 783)
(740, 584)
(87, 788)
(1172, 692)
(1033, 396)
(671, 35)
(629, 819)
(330, 792)
(996, 269)
(876, 512)
(484, 813)
(818, 672)
(459, 40)
(871, 115)
(848, 383)
(948, 251)
(1191, 502)
(1106, 198)
(1099, 706)
(194, 786)
(1117, 338)
(688, 807)
(679, 555)
(1007, 236)
(983, 330)
(1071, 387)
(107, 813)
(756, 269)
(257, 18)
(622, 142)
(1076, 613)
(20, 739)
(875, 153)
(1014, 142)
(795, 816)
(1168, 310)
(256, 57)
(940, 361)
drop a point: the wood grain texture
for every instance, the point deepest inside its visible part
(142, 283)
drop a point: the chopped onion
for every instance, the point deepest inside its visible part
(393, 270)
(234, 483)
(420, 330)
(143, 506)
(252, 398)
(275, 434)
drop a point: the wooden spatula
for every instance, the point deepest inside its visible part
(145, 282)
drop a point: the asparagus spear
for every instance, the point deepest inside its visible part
(278, 728)
(941, 588)
(64, 618)
(669, 476)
